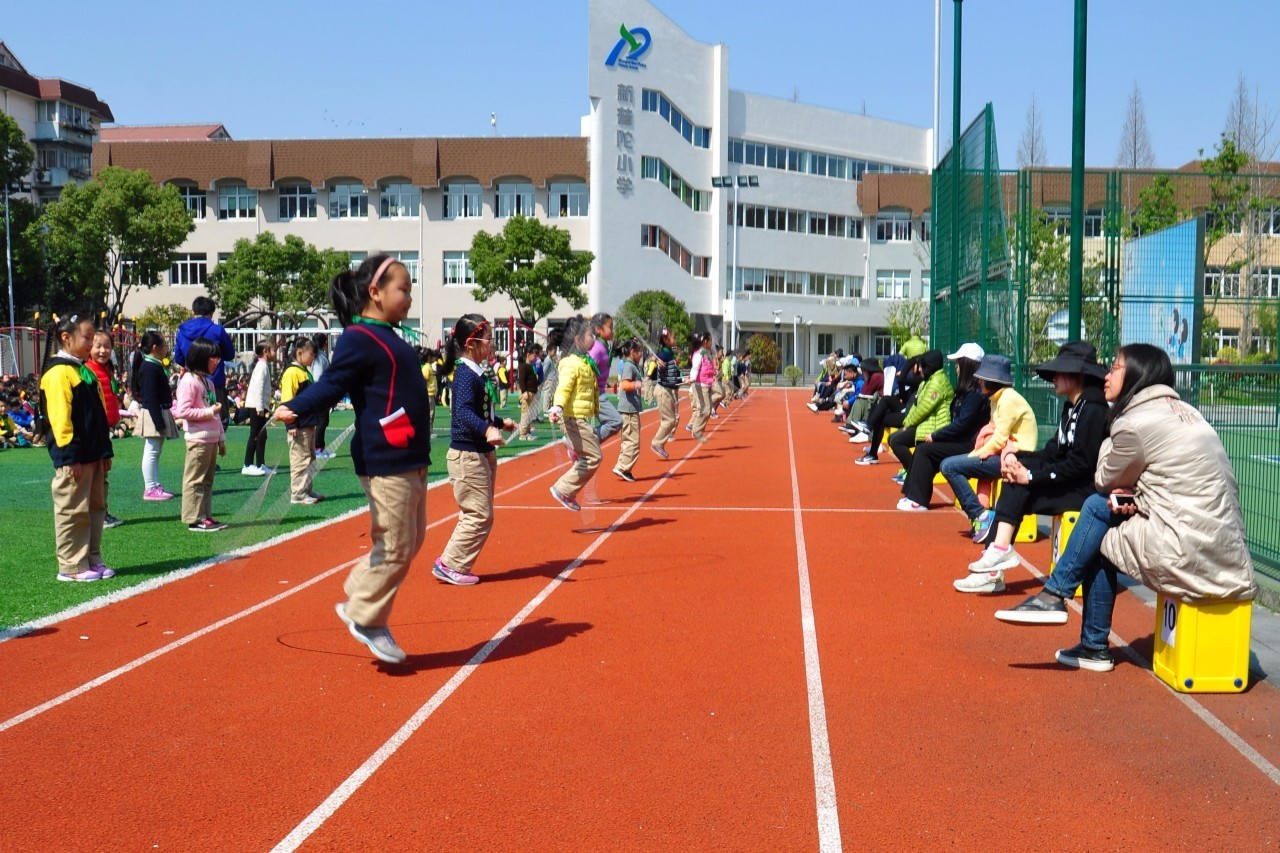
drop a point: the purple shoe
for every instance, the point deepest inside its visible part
(567, 503)
(85, 576)
(448, 575)
(103, 570)
(156, 493)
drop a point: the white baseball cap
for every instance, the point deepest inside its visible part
(969, 350)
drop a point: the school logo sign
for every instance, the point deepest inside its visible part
(635, 42)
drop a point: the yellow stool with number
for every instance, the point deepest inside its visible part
(1062, 526)
(1202, 647)
(1029, 529)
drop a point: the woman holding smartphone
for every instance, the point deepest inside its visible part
(1167, 512)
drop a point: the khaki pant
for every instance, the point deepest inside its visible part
(582, 437)
(473, 475)
(79, 507)
(526, 413)
(701, 401)
(398, 526)
(719, 392)
(669, 412)
(629, 451)
(302, 457)
(197, 481)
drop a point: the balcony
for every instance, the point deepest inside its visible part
(57, 131)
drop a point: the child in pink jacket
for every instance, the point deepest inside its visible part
(197, 406)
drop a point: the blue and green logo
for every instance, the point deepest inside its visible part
(634, 47)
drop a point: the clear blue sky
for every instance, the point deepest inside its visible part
(433, 68)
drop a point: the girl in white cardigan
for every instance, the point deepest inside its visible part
(257, 401)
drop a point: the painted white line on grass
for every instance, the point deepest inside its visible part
(163, 650)
(362, 774)
(824, 782)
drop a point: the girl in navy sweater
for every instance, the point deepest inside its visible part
(473, 465)
(392, 443)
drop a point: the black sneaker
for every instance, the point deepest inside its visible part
(1036, 611)
(1078, 657)
(626, 475)
(110, 521)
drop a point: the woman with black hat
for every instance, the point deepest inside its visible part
(1055, 479)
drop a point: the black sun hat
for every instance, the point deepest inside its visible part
(1073, 357)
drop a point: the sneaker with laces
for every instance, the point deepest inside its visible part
(995, 559)
(86, 576)
(900, 478)
(859, 438)
(908, 505)
(980, 582)
(324, 454)
(625, 475)
(206, 525)
(659, 451)
(448, 575)
(867, 460)
(567, 503)
(102, 569)
(1079, 657)
(378, 640)
(982, 525)
(813, 407)
(157, 493)
(110, 521)
(1036, 610)
(305, 500)
(252, 471)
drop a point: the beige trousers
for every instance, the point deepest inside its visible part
(473, 475)
(629, 448)
(719, 392)
(302, 458)
(398, 526)
(526, 413)
(582, 437)
(669, 412)
(701, 401)
(197, 481)
(79, 507)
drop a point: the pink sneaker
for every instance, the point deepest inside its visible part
(156, 493)
(448, 575)
(81, 577)
(103, 570)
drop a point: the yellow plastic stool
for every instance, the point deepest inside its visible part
(1028, 530)
(1062, 526)
(1202, 648)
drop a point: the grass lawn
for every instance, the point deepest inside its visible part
(153, 540)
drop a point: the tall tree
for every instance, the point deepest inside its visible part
(1135, 140)
(531, 264)
(112, 234)
(1031, 149)
(906, 318)
(1158, 207)
(16, 157)
(280, 282)
(647, 312)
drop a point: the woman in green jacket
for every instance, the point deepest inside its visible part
(930, 413)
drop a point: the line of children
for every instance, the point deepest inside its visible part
(302, 432)
(391, 446)
(149, 376)
(475, 430)
(196, 405)
(577, 401)
(630, 404)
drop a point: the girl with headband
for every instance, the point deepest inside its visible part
(392, 443)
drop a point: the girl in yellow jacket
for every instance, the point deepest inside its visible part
(576, 402)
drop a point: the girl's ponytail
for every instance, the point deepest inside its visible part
(456, 343)
(349, 290)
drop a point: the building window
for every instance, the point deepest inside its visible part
(399, 201)
(189, 269)
(654, 237)
(463, 201)
(893, 226)
(1267, 222)
(1265, 282)
(1060, 219)
(348, 201)
(515, 199)
(655, 102)
(926, 284)
(194, 199)
(798, 283)
(808, 162)
(457, 270)
(297, 202)
(567, 199)
(926, 227)
(653, 169)
(826, 342)
(893, 284)
(796, 221)
(1228, 338)
(410, 261)
(237, 202)
(355, 259)
(1220, 282)
(882, 345)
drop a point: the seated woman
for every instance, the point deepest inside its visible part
(1053, 480)
(900, 381)
(969, 412)
(1183, 533)
(1013, 427)
(930, 412)
(868, 395)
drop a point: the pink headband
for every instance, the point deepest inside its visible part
(382, 267)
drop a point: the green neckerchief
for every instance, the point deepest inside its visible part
(158, 363)
(595, 368)
(86, 374)
(209, 395)
(305, 370)
(369, 321)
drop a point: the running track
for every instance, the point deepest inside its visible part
(752, 652)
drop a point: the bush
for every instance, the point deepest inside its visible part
(765, 353)
(793, 374)
(1227, 355)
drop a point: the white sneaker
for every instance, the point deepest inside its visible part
(980, 582)
(813, 407)
(908, 505)
(252, 471)
(859, 438)
(995, 560)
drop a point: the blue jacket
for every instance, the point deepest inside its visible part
(204, 327)
(470, 412)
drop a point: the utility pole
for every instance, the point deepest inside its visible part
(1076, 295)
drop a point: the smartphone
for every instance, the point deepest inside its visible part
(1119, 500)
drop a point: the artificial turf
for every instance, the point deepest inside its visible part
(153, 541)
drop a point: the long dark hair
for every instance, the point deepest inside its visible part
(574, 329)
(965, 380)
(463, 331)
(1144, 365)
(150, 340)
(349, 291)
(199, 354)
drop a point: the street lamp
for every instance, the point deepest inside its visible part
(796, 320)
(724, 182)
(777, 325)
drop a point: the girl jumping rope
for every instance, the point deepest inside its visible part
(630, 403)
(79, 443)
(577, 401)
(667, 394)
(149, 382)
(702, 375)
(392, 442)
(474, 432)
(198, 407)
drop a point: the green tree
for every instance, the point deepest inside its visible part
(1158, 207)
(281, 282)
(113, 233)
(906, 318)
(765, 353)
(1048, 286)
(16, 154)
(16, 157)
(531, 264)
(645, 314)
(29, 280)
(163, 318)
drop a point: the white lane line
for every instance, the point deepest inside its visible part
(1224, 731)
(824, 782)
(678, 509)
(362, 774)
